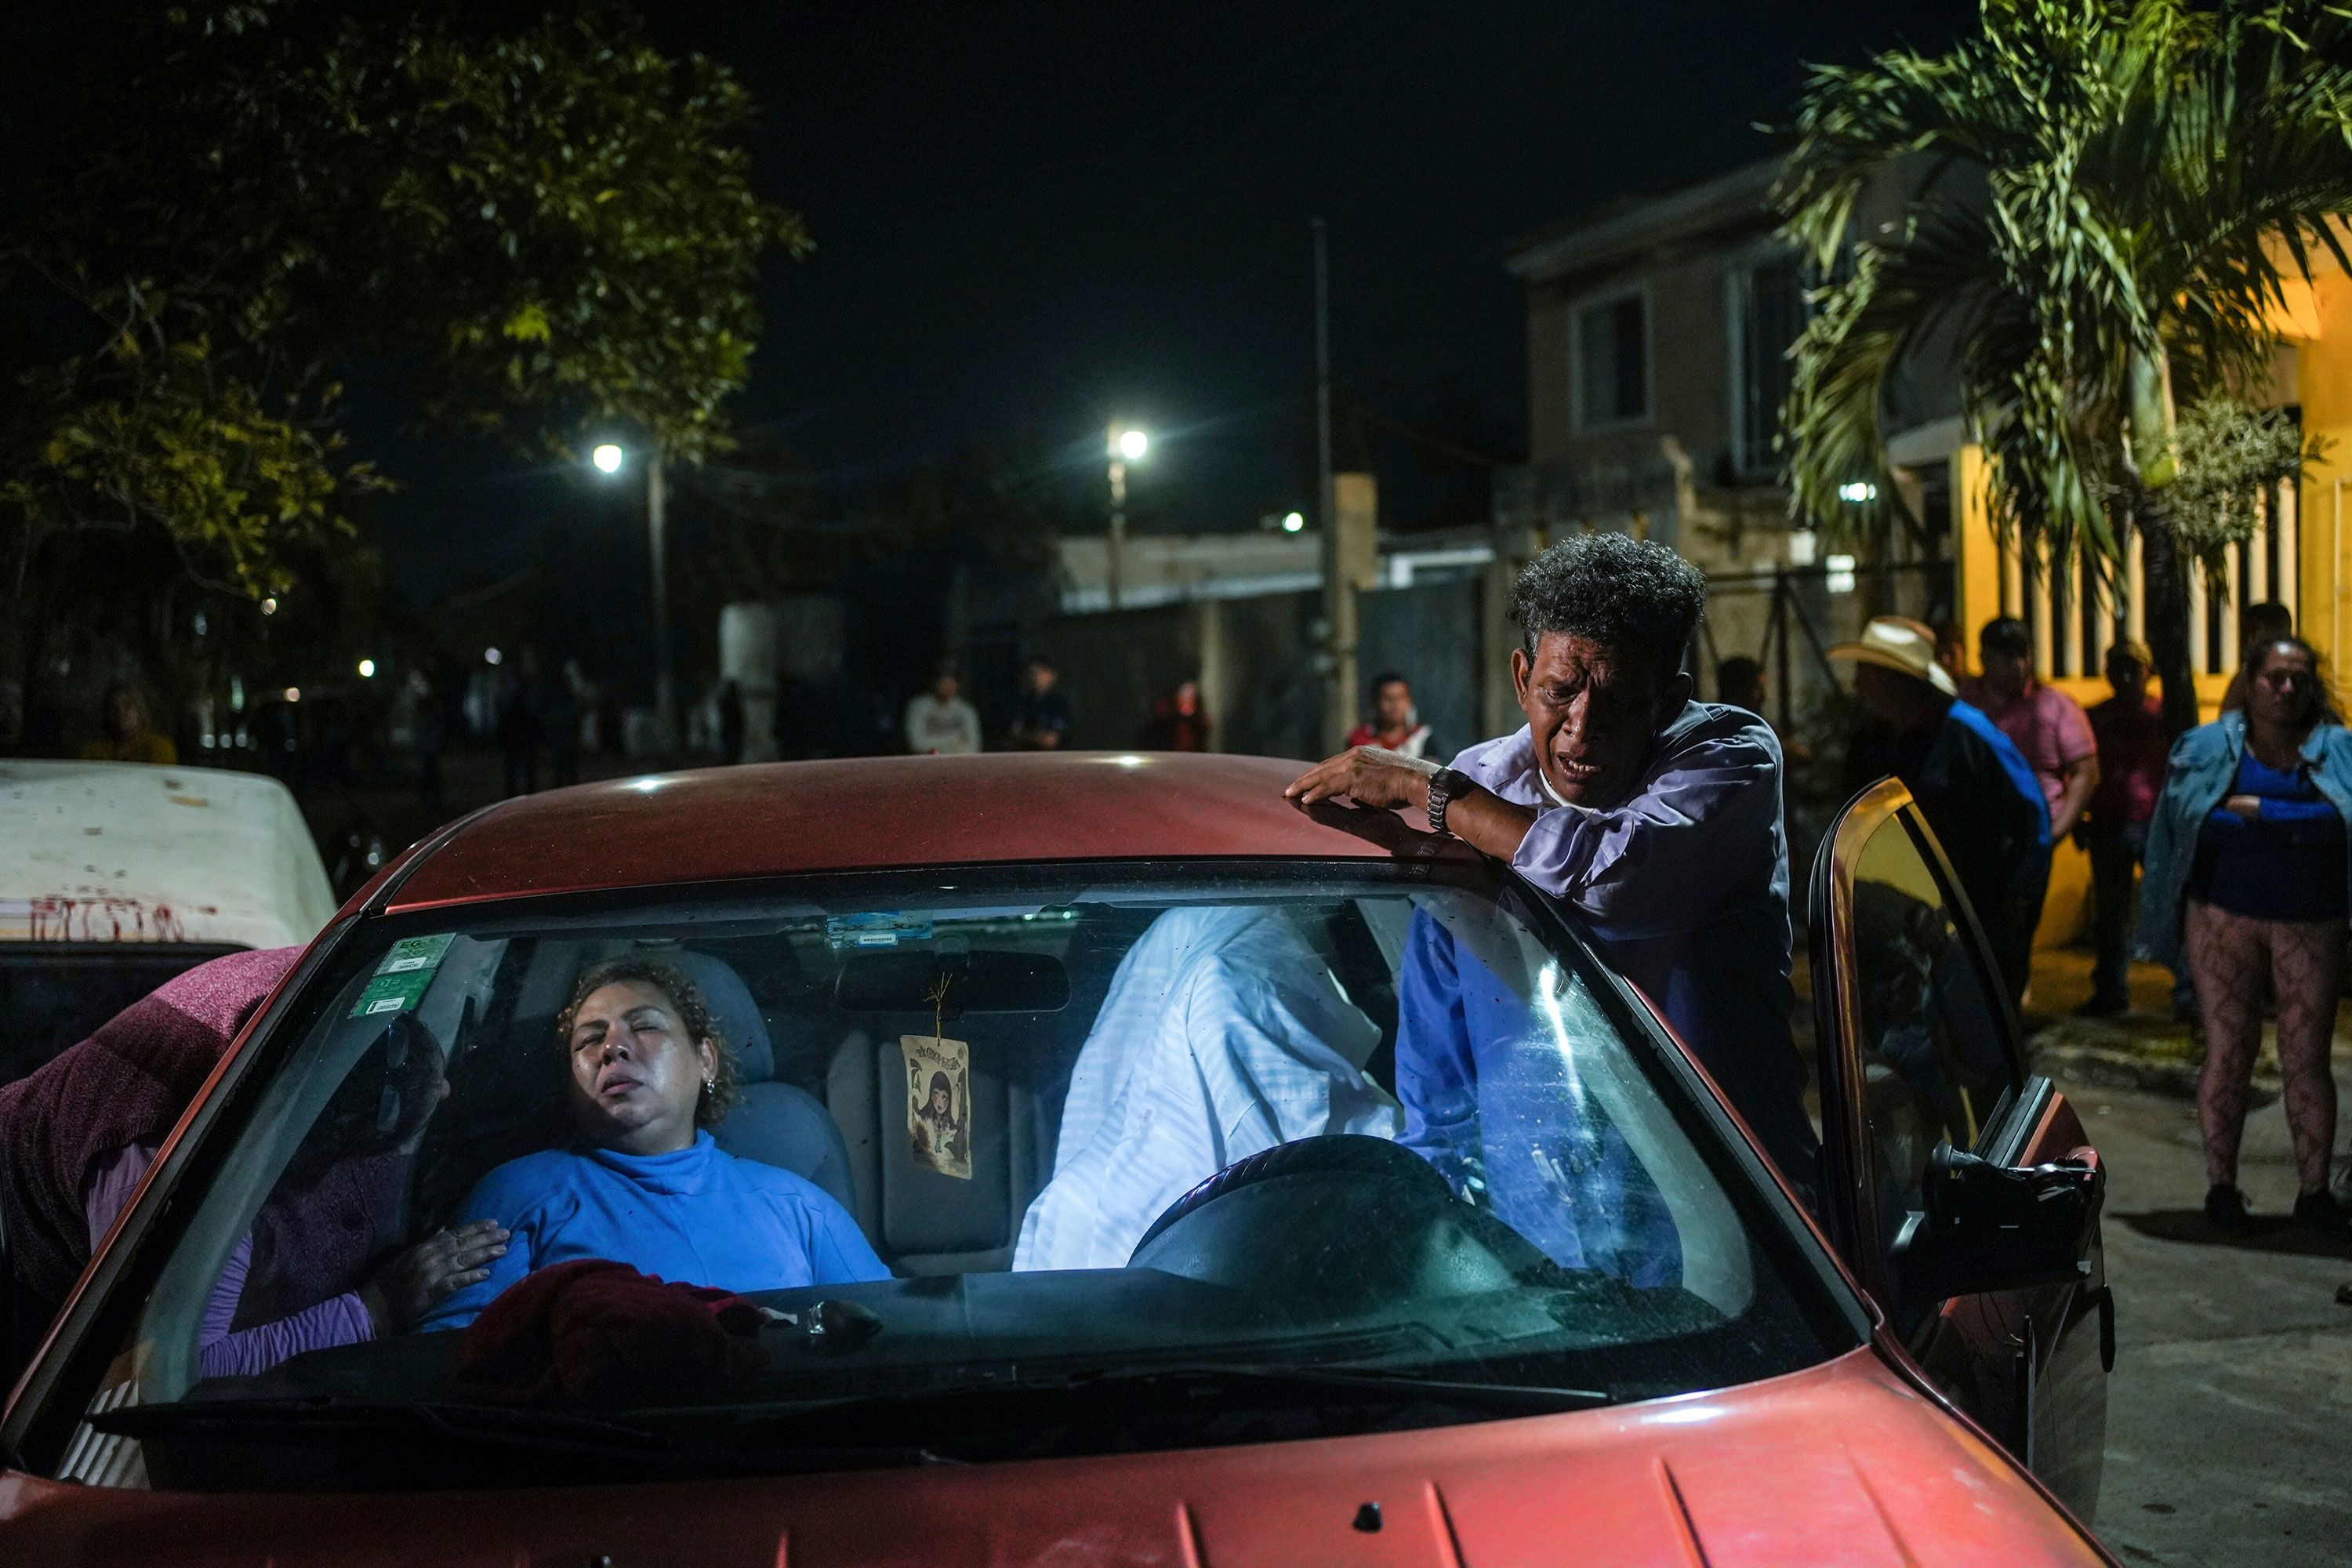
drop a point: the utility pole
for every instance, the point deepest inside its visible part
(1338, 593)
(656, 531)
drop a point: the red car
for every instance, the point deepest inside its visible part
(1200, 1247)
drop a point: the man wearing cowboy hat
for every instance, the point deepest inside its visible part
(1974, 787)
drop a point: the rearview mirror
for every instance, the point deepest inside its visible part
(1994, 1228)
(987, 981)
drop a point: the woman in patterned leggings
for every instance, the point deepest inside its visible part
(2253, 818)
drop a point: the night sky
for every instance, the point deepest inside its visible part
(1032, 217)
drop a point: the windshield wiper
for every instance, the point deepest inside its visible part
(474, 1429)
(1191, 1379)
(1530, 1398)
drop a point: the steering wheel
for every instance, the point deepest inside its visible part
(1335, 1225)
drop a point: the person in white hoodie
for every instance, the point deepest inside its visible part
(940, 722)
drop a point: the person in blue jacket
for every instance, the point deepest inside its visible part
(645, 1184)
(1975, 789)
(2246, 873)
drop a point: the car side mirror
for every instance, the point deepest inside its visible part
(1997, 1227)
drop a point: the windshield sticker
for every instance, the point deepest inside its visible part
(416, 952)
(938, 1103)
(881, 929)
(405, 975)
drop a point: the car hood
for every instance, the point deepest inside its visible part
(1843, 1463)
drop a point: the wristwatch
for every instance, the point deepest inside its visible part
(1444, 785)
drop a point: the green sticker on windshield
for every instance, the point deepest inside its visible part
(414, 953)
(403, 976)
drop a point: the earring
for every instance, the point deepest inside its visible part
(710, 1083)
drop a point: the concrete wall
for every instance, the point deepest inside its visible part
(1430, 633)
(1254, 660)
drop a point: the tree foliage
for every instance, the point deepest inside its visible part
(2105, 199)
(551, 222)
(2229, 455)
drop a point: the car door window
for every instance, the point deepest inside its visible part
(1932, 1053)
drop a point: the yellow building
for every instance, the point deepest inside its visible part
(2297, 557)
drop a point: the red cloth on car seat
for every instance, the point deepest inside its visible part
(599, 1333)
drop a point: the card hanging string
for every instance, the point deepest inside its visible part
(938, 1009)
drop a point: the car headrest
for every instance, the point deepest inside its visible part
(737, 1014)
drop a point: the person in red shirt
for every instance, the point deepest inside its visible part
(2046, 724)
(2129, 729)
(1394, 726)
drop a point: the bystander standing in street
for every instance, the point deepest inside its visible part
(730, 723)
(2046, 724)
(124, 734)
(1739, 683)
(516, 723)
(939, 722)
(2247, 875)
(1974, 787)
(1040, 714)
(562, 714)
(428, 737)
(2129, 729)
(1179, 721)
(1952, 651)
(1394, 725)
(2260, 625)
(1657, 817)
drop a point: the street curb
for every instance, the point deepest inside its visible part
(2111, 1069)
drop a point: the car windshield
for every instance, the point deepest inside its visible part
(966, 1165)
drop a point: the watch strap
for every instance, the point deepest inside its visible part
(1444, 786)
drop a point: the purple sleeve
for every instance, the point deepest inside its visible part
(108, 1191)
(1707, 820)
(341, 1321)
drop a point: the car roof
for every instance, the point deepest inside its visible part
(128, 852)
(894, 813)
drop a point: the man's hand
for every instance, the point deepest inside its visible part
(1368, 776)
(409, 1286)
(2247, 807)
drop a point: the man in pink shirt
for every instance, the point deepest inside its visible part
(2047, 725)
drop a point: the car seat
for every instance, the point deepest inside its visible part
(774, 1122)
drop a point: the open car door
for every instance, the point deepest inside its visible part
(1960, 1188)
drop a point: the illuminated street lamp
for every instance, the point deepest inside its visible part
(1292, 521)
(1126, 445)
(367, 670)
(608, 458)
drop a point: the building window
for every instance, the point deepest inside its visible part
(1768, 312)
(1612, 361)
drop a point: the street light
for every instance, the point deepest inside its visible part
(367, 670)
(608, 458)
(1126, 445)
(1292, 521)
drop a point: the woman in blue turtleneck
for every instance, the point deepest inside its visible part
(649, 1188)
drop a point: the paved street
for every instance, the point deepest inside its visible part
(2229, 1421)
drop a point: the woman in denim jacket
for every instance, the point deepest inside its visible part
(2247, 874)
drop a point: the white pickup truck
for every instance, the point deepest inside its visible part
(114, 876)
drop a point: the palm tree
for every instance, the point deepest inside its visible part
(2102, 197)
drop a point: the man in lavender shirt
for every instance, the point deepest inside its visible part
(1655, 818)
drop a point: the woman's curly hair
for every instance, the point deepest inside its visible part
(726, 1090)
